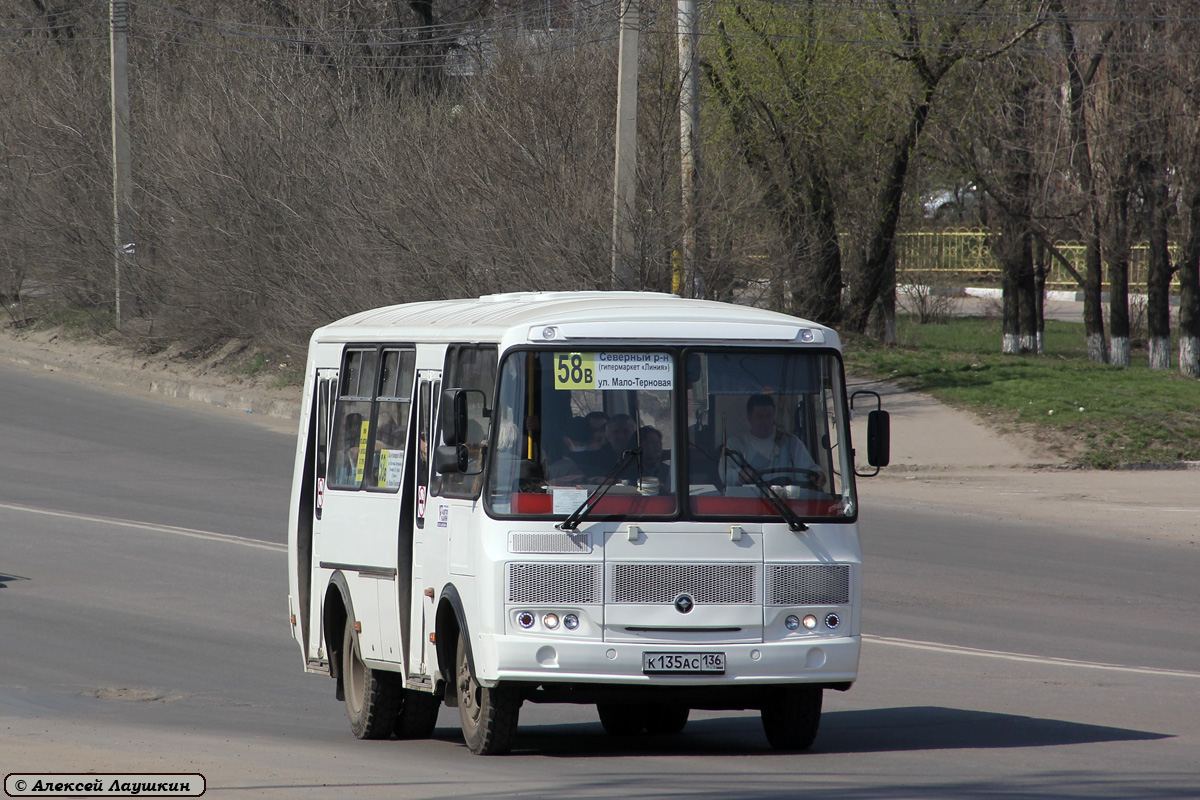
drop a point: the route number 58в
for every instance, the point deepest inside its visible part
(574, 371)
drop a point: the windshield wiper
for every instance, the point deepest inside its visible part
(787, 512)
(585, 508)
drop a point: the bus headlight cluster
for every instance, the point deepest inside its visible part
(549, 621)
(793, 622)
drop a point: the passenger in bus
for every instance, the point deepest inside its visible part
(618, 437)
(582, 462)
(778, 456)
(597, 419)
(347, 470)
(654, 458)
(387, 434)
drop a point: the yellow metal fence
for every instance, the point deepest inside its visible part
(964, 258)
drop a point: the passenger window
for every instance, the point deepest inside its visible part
(352, 420)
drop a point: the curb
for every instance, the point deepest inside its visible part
(222, 398)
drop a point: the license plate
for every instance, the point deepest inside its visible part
(683, 663)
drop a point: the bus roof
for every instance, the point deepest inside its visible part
(553, 317)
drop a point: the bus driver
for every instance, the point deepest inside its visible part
(775, 454)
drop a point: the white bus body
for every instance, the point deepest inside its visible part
(481, 516)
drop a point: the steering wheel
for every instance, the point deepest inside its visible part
(794, 476)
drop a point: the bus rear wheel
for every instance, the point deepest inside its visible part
(372, 696)
(418, 715)
(489, 715)
(791, 721)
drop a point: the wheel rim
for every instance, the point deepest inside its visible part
(356, 676)
(468, 692)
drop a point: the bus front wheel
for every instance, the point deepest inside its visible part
(489, 715)
(791, 721)
(372, 696)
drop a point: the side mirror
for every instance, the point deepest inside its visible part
(879, 434)
(450, 459)
(879, 438)
(456, 413)
(454, 416)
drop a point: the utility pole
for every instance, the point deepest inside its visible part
(624, 276)
(689, 134)
(122, 159)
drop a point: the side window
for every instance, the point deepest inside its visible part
(370, 431)
(425, 413)
(474, 368)
(393, 409)
(326, 392)
(352, 420)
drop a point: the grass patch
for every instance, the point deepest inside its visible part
(1098, 415)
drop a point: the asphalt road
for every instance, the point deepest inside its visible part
(143, 628)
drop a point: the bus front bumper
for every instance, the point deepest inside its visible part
(542, 659)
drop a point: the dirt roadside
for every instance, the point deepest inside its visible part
(941, 457)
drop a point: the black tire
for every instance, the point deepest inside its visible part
(792, 720)
(372, 696)
(666, 719)
(418, 715)
(622, 719)
(489, 716)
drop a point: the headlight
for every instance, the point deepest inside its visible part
(550, 621)
(525, 619)
(570, 622)
(792, 622)
(810, 622)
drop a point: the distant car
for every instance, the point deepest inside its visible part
(960, 204)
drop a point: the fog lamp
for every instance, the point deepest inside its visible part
(525, 619)
(550, 621)
(832, 621)
(792, 622)
(570, 622)
(810, 622)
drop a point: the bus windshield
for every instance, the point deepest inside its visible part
(706, 433)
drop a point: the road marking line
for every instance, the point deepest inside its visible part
(937, 647)
(190, 533)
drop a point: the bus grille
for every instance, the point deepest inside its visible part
(808, 584)
(662, 583)
(570, 542)
(555, 583)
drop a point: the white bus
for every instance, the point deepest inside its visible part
(624, 499)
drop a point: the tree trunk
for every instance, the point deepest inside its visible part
(1118, 306)
(1041, 269)
(818, 293)
(1189, 295)
(1081, 162)
(1010, 270)
(1093, 308)
(1158, 274)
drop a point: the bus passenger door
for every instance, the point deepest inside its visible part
(326, 392)
(423, 607)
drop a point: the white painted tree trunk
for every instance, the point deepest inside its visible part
(1095, 348)
(1010, 346)
(1160, 352)
(1118, 351)
(1029, 344)
(1189, 356)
